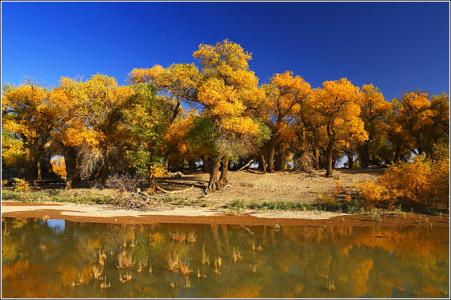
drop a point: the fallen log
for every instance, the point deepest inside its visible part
(174, 192)
(246, 165)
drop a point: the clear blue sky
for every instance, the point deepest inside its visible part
(396, 46)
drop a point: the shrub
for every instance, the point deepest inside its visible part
(123, 182)
(372, 192)
(21, 185)
(422, 182)
(439, 188)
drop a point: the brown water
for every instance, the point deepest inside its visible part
(57, 258)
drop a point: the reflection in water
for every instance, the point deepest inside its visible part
(54, 258)
(56, 224)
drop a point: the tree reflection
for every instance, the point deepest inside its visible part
(105, 260)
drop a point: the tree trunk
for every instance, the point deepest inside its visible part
(278, 160)
(317, 158)
(304, 163)
(72, 176)
(262, 164)
(152, 183)
(271, 156)
(103, 174)
(365, 155)
(213, 183)
(350, 161)
(205, 167)
(31, 172)
(397, 154)
(45, 170)
(329, 155)
(223, 180)
(192, 165)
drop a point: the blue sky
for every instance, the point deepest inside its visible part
(396, 46)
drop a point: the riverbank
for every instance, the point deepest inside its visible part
(194, 215)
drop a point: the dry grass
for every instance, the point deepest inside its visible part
(292, 189)
(249, 187)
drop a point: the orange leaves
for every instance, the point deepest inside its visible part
(337, 105)
(418, 123)
(418, 182)
(31, 111)
(341, 90)
(415, 101)
(230, 96)
(286, 94)
(374, 111)
(83, 106)
(229, 88)
(373, 103)
(75, 137)
(180, 80)
(338, 97)
(178, 131)
(142, 75)
(27, 93)
(240, 125)
(294, 86)
(224, 53)
(219, 98)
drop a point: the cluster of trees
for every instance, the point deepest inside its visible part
(217, 113)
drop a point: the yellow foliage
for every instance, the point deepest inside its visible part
(372, 192)
(337, 109)
(21, 185)
(74, 137)
(177, 133)
(240, 125)
(179, 80)
(373, 104)
(418, 182)
(228, 89)
(59, 166)
(219, 98)
(290, 92)
(141, 75)
(159, 171)
(226, 56)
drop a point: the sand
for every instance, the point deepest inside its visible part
(194, 215)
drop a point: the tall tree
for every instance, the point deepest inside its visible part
(374, 113)
(28, 117)
(286, 93)
(145, 121)
(337, 104)
(227, 91)
(178, 82)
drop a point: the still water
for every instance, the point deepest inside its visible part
(57, 258)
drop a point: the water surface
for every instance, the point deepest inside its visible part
(57, 258)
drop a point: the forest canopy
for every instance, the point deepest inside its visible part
(216, 114)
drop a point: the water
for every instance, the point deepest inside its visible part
(57, 258)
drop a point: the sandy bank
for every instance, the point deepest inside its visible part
(197, 215)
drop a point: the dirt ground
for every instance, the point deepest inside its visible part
(196, 215)
(279, 186)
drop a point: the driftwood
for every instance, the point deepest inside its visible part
(247, 229)
(142, 195)
(134, 200)
(253, 171)
(246, 165)
(174, 192)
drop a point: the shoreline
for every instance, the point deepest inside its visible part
(97, 213)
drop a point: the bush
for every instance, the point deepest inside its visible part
(123, 182)
(439, 188)
(419, 183)
(21, 185)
